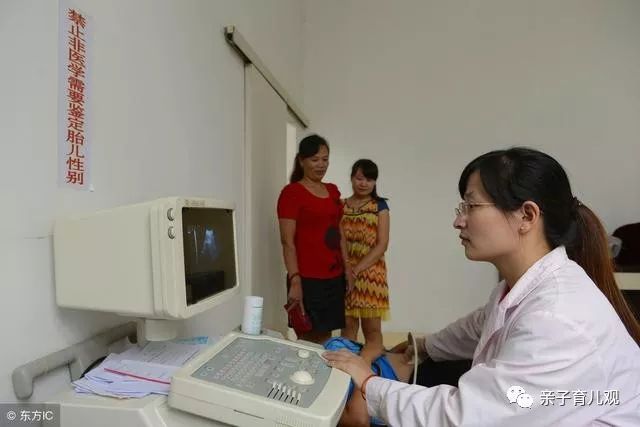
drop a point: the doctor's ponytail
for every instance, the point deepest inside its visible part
(514, 176)
(590, 250)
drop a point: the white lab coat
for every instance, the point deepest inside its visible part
(554, 334)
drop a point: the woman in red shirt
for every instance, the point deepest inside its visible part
(309, 212)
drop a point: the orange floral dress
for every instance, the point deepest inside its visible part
(370, 296)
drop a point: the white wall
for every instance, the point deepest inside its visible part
(422, 87)
(167, 119)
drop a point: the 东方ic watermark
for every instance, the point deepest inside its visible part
(29, 414)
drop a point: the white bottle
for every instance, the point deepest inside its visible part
(252, 318)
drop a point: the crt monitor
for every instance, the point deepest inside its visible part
(159, 261)
(209, 254)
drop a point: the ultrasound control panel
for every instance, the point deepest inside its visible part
(269, 369)
(261, 378)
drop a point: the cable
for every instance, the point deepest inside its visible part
(411, 338)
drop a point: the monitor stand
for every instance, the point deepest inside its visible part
(155, 330)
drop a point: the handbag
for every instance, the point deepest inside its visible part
(298, 320)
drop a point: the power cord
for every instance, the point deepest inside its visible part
(411, 338)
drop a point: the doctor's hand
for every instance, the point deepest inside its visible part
(406, 349)
(350, 363)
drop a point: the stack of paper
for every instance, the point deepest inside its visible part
(139, 372)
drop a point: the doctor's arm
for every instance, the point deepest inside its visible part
(458, 340)
(541, 353)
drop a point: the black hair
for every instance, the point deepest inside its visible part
(370, 171)
(519, 174)
(308, 147)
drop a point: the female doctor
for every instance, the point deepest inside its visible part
(556, 345)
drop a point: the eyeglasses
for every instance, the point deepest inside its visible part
(464, 207)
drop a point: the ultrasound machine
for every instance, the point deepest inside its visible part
(170, 259)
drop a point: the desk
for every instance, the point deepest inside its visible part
(628, 281)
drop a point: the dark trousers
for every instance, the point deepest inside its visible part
(432, 373)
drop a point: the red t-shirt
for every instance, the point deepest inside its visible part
(317, 236)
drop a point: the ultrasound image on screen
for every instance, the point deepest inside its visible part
(209, 252)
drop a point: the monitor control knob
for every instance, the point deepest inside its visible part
(302, 377)
(304, 354)
(171, 214)
(172, 233)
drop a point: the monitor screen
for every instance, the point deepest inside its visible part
(209, 252)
